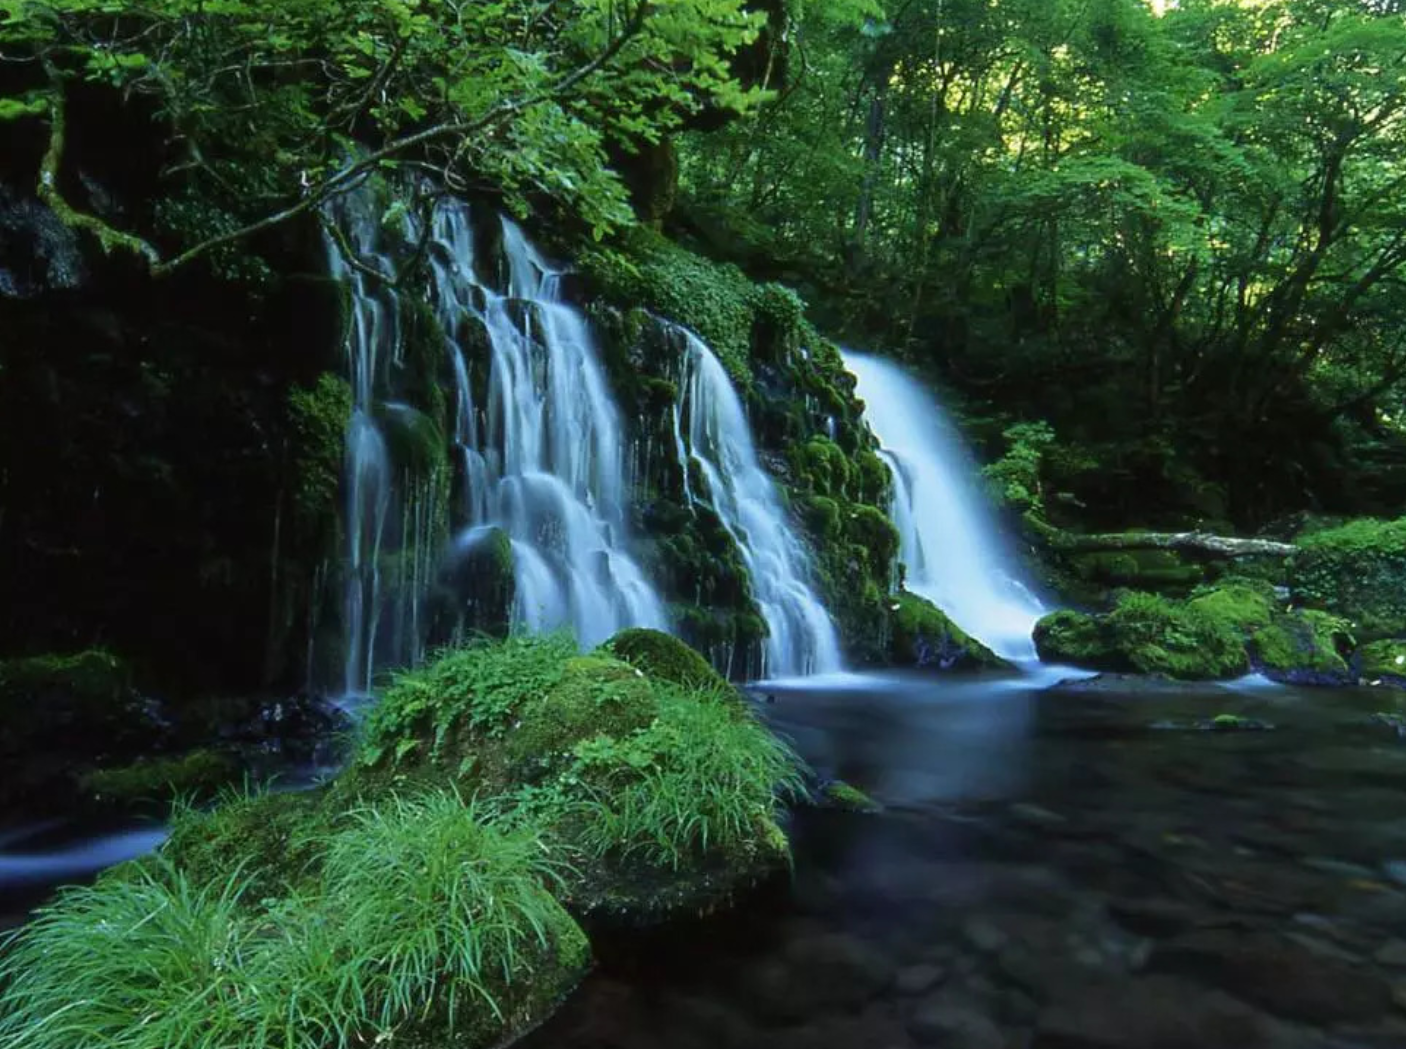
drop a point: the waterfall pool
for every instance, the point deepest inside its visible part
(1089, 864)
(1084, 867)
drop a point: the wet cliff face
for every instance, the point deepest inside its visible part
(805, 420)
(173, 463)
(153, 438)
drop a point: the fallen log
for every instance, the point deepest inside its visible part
(1204, 543)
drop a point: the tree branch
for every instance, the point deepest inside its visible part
(335, 184)
(48, 185)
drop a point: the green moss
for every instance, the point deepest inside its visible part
(1304, 643)
(197, 775)
(715, 300)
(665, 658)
(870, 528)
(923, 636)
(597, 695)
(822, 516)
(1244, 607)
(1158, 636)
(273, 840)
(840, 795)
(1148, 634)
(820, 466)
(1077, 639)
(1358, 571)
(1382, 660)
(317, 421)
(1219, 632)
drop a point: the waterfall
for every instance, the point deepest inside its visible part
(543, 457)
(950, 543)
(801, 636)
(387, 519)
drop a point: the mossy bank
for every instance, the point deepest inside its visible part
(436, 891)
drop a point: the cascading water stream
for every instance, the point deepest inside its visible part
(715, 432)
(949, 541)
(386, 518)
(544, 456)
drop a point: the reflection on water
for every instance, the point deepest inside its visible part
(1053, 872)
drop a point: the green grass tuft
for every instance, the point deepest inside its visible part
(699, 779)
(423, 919)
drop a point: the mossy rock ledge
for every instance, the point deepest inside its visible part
(1219, 632)
(1356, 571)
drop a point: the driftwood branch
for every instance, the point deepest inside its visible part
(1203, 543)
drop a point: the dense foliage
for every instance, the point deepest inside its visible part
(269, 109)
(1178, 239)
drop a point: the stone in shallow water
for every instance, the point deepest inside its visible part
(946, 1020)
(1392, 953)
(1158, 1012)
(917, 979)
(1276, 974)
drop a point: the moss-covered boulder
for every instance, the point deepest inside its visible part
(1357, 571)
(197, 775)
(1145, 634)
(665, 658)
(1382, 662)
(923, 636)
(1219, 632)
(1305, 647)
(665, 790)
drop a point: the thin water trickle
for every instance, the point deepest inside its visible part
(949, 539)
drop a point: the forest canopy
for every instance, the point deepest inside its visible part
(1172, 233)
(1179, 232)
